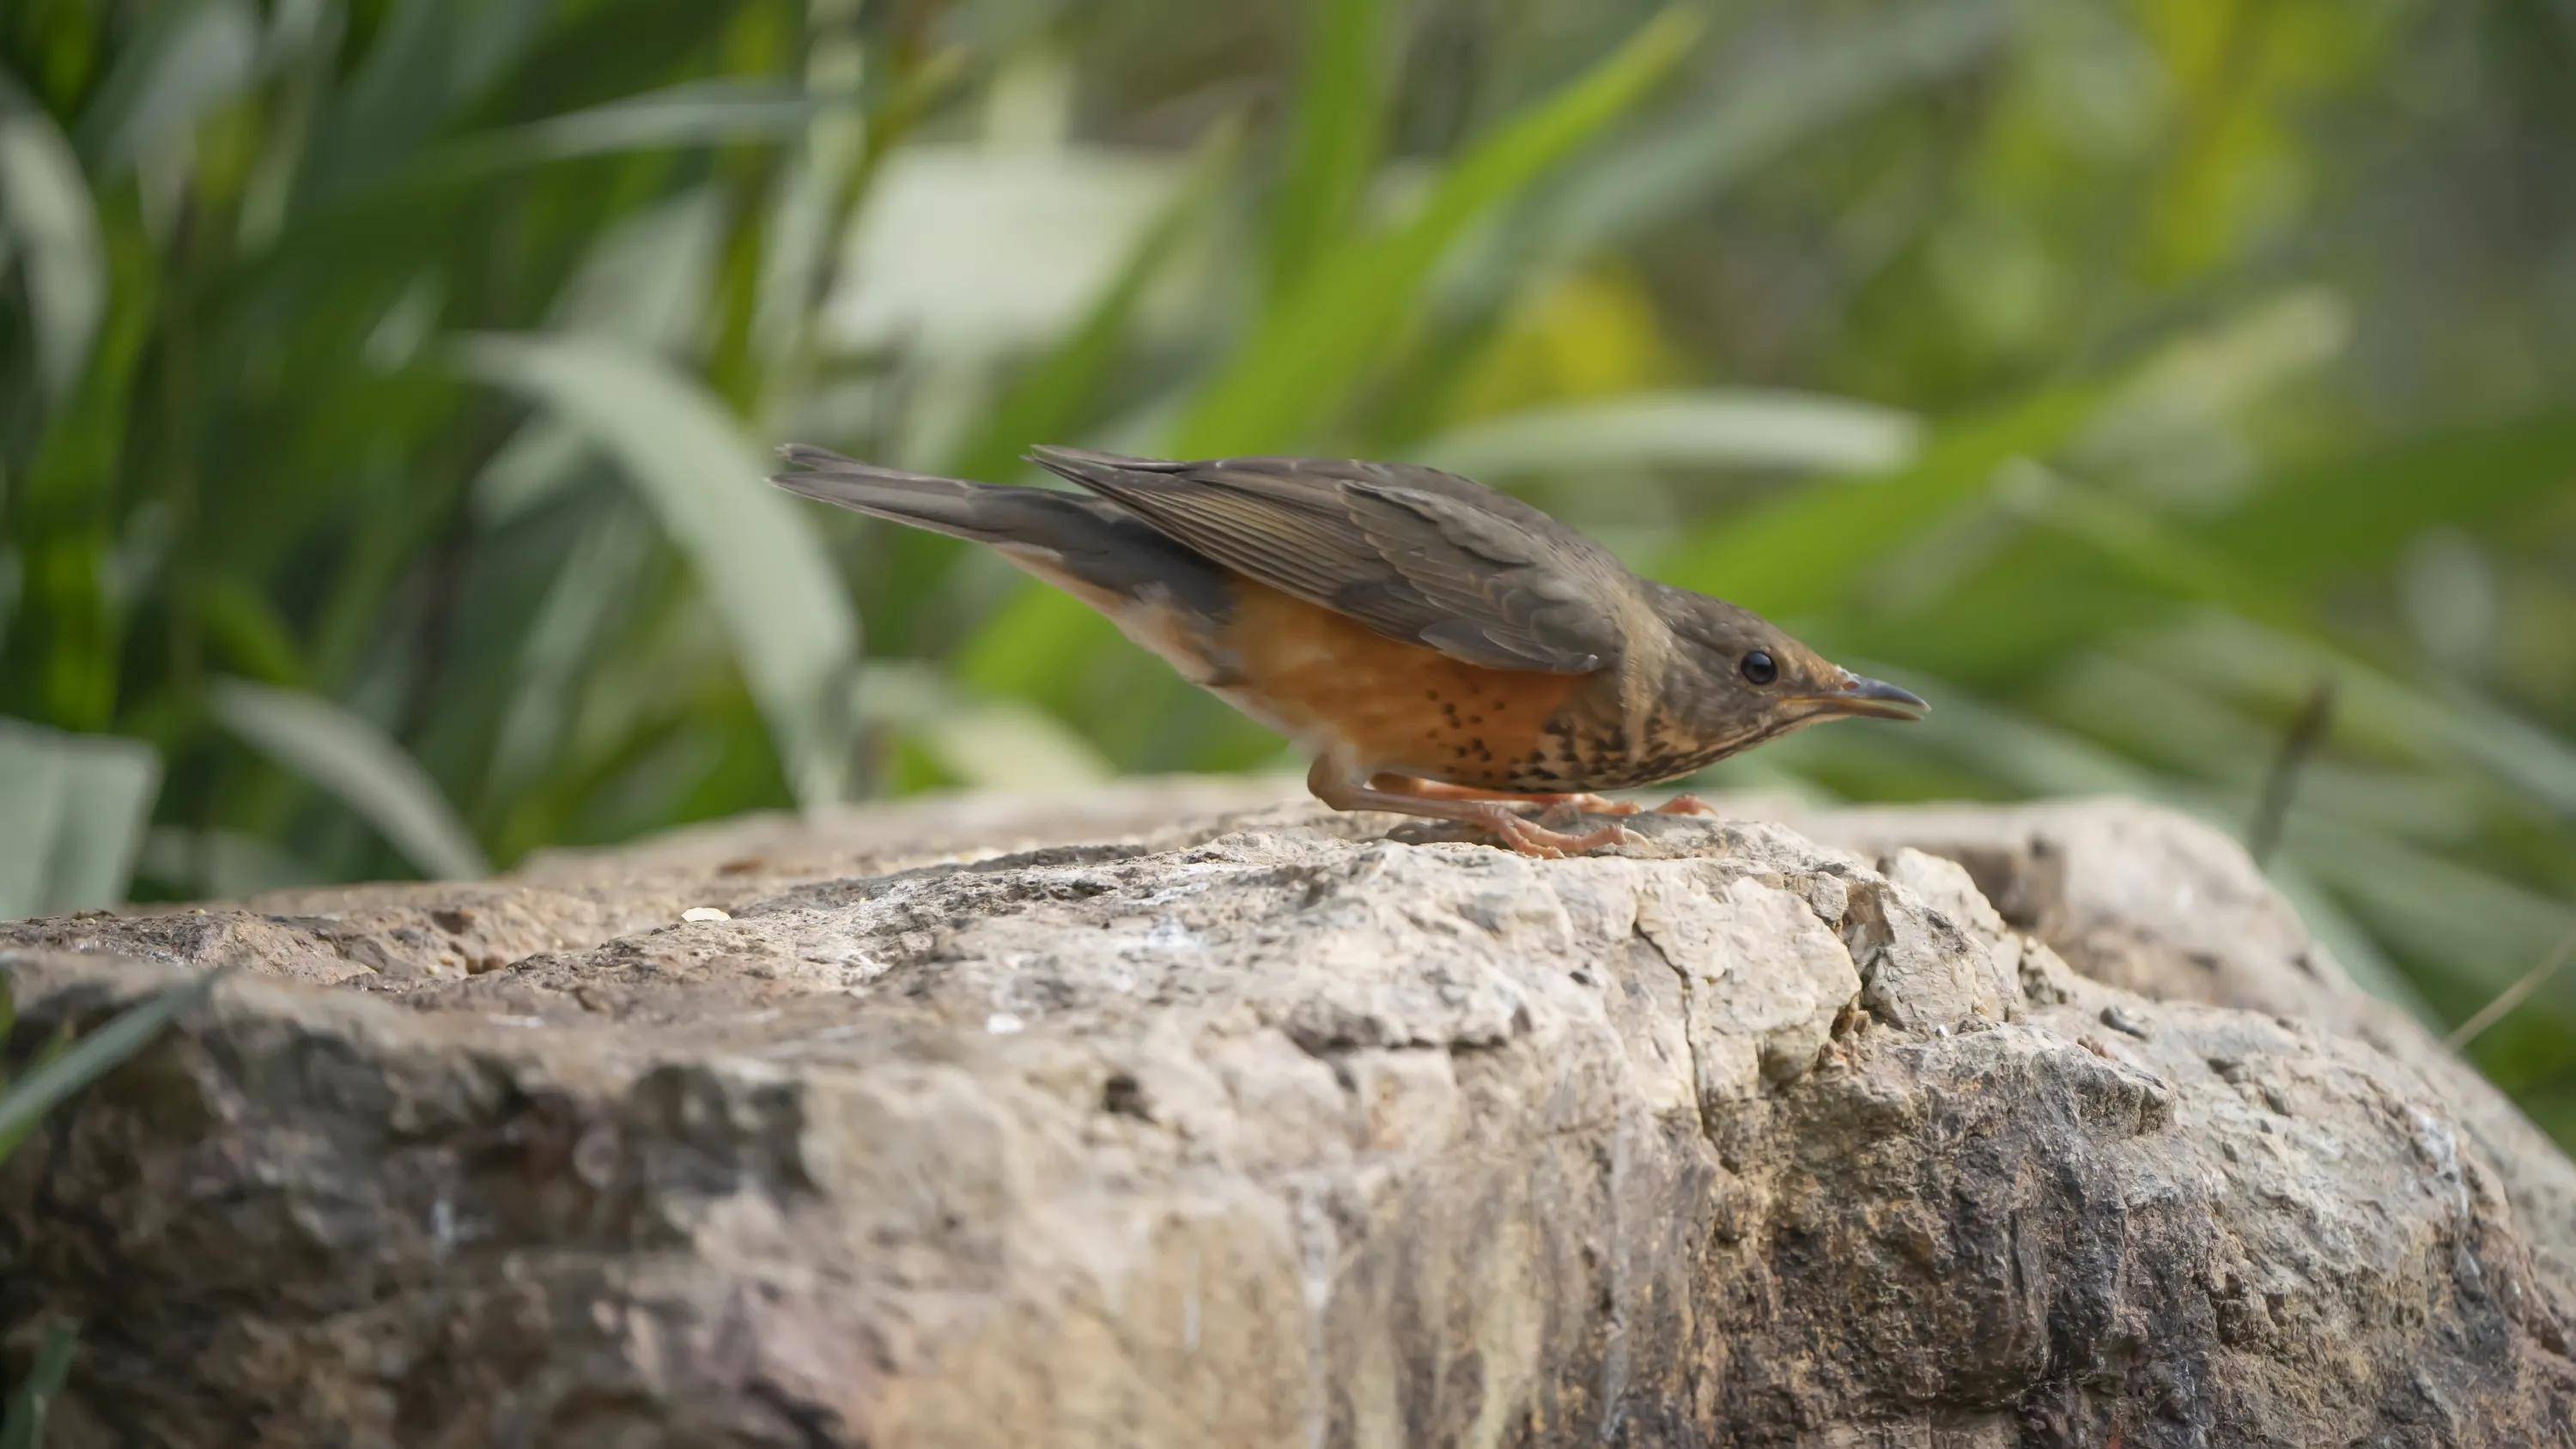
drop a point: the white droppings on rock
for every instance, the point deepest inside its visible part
(705, 913)
(1168, 934)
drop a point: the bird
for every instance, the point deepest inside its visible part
(1440, 649)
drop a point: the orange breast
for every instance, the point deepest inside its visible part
(1406, 708)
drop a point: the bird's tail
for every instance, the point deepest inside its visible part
(943, 505)
(1073, 540)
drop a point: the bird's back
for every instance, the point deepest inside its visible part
(1418, 555)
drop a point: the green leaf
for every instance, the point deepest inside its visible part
(221, 864)
(78, 805)
(643, 282)
(993, 744)
(699, 113)
(312, 737)
(1804, 551)
(429, 59)
(2479, 928)
(24, 1428)
(1714, 429)
(1049, 399)
(694, 114)
(2446, 723)
(793, 630)
(1037, 645)
(30, 1097)
(1311, 351)
(964, 255)
(1336, 128)
(47, 218)
(246, 634)
(2349, 513)
(539, 462)
(1054, 397)
(62, 664)
(1747, 120)
(2267, 635)
(560, 646)
(192, 56)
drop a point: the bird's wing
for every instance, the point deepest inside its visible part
(1417, 555)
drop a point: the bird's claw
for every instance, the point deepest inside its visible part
(1566, 811)
(1530, 838)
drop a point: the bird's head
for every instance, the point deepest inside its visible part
(1745, 680)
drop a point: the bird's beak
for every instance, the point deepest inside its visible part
(1874, 698)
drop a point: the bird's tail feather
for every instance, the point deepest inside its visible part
(943, 505)
(1073, 540)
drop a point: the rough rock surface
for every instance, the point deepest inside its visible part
(1964, 1128)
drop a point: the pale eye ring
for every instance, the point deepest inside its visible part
(1758, 668)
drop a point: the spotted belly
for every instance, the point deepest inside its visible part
(1340, 688)
(1585, 749)
(1381, 704)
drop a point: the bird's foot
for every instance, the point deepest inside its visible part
(1686, 805)
(1601, 805)
(1565, 811)
(1531, 838)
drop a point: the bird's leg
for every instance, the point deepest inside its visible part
(1686, 805)
(1344, 789)
(1584, 802)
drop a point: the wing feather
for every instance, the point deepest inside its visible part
(1415, 554)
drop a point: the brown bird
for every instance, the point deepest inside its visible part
(1444, 650)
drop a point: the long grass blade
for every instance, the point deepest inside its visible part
(792, 627)
(698, 113)
(77, 809)
(24, 1426)
(2512, 996)
(192, 56)
(361, 765)
(1805, 550)
(1749, 118)
(996, 744)
(2346, 514)
(1312, 350)
(48, 220)
(1335, 133)
(1049, 400)
(1715, 429)
(29, 1098)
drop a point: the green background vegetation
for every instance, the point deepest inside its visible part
(2164, 390)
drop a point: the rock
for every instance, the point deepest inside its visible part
(1271, 1129)
(2165, 907)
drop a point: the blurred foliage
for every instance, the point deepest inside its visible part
(383, 387)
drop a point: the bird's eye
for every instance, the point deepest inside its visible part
(1759, 669)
